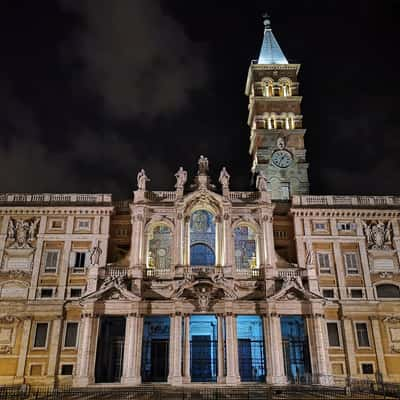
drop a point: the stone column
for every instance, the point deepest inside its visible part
(321, 349)
(365, 270)
(226, 258)
(221, 341)
(348, 339)
(87, 351)
(340, 273)
(26, 329)
(186, 350)
(37, 258)
(268, 242)
(3, 236)
(175, 350)
(232, 363)
(380, 355)
(131, 355)
(64, 268)
(276, 369)
(54, 348)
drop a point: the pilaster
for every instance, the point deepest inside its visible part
(380, 355)
(23, 351)
(221, 358)
(321, 349)
(273, 338)
(348, 338)
(340, 273)
(232, 370)
(54, 349)
(131, 356)
(3, 236)
(175, 350)
(186, 350)
(366, 270)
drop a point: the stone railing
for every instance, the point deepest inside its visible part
(160, 196)
(113, 271)
(341, 201)
(121, 204)
(158, 273)
(249, 273)
(292, 273)
(55, 198)
(244, 196)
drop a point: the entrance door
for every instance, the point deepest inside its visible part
(295, 348)
(245, 361)
(110, 350)
(203, 346)
(155, 348)
(159, 360)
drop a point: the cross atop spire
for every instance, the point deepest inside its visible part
(270, 52)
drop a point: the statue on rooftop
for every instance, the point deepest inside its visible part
(203, 165)
(224, 178)
(142, 179)
(181, 178)
(261, 182)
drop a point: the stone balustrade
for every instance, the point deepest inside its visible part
(54, 198)
(244, 196)
(160, 196)
(342, 201)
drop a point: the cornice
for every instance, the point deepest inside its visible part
(344, 212)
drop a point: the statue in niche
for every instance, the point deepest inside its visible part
(142, 179)
(261, 182)
(310, 255)
(203, 165)
(95, 254)
(22, 233)
(181, 178)
(280, 143)
(224, 178)
(378, 235)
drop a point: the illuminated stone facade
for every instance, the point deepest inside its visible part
(202, 283)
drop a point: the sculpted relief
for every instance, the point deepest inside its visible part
(378, 235)
(22, 233)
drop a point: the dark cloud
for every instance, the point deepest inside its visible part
(137, 57)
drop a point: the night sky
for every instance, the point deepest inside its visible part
(93, 90)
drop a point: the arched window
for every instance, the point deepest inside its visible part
(268, 88)
(202, 238)
(387, 290)
(270, 121)
(245, 247)
(286, 88)
(160, 243)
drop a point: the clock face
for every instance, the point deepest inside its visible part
(282, 158)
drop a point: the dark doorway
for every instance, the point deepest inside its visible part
(110, 350)
(245, 360)
(295, 348)
(155, 352)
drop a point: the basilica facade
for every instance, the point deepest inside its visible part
(204, 284)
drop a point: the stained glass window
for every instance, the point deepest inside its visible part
(159, 255)
(245, 247)
(202, 238)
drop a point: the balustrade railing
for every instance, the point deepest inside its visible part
(160, 196)
(244, 196)
(351, 201)
(114, 271)
(54, 198)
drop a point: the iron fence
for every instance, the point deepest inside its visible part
(355, 389)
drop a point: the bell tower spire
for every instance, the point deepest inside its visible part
(275, 120)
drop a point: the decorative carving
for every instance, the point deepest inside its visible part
(16, 275)
(395, 349)
(378, 235)
(261, 182)
(392, 319)
(5, 349)
(224, 178)
(181, 178)
(9, 319)
(203, 299)
(386, 275)
(280, 143)
(22, 233)
(142, 179)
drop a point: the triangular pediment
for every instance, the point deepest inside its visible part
(294, 292)
(112, 290)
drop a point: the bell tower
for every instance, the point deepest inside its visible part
(275, 120)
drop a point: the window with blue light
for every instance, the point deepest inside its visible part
(251, 351)
(245, 247)
(203, 348)
(295, 347)
(202, 238)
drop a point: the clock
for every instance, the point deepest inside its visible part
(281, 158)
